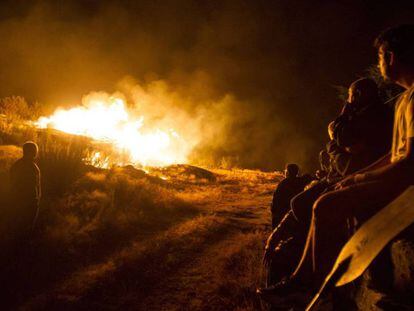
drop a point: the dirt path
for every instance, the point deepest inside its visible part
(203, 283)
(211, 262)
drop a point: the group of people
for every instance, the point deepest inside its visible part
(367, 163)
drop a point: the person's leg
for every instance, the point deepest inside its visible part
(329, 231)
(301, 208)
(301, 204)
(290, 235)
(282, 245)
(297, 218)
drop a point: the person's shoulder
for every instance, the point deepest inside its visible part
(33, 166)
(293, 181)
(282, 183)
(406, 96)
(17, 163)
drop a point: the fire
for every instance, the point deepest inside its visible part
(106, 119)
(97, 160)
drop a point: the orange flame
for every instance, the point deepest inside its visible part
(106, 118)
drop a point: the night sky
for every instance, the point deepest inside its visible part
(279, 60)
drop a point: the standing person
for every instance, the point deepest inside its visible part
(285, 191)
(23, 210)
(365, 192)
(25, 190)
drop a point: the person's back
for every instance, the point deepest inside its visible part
(285, 191)
(25, 186)
(25, 177)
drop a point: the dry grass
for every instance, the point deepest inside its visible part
(108, 231)
(86, 213)
(112, 239)
(242, 273)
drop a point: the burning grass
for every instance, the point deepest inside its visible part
(108, 118)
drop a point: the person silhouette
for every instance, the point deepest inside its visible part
(25, 188)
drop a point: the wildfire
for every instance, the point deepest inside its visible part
(107, 119)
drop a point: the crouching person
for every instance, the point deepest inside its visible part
(290, 186)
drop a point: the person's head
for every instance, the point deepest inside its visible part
(363, 92)
(291, 170)
(395, 48)
(30, 150)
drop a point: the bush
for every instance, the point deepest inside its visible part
(60, 160)
(17, 108)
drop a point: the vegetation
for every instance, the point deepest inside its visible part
(113, 238)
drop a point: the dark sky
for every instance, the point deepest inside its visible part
(280, 60)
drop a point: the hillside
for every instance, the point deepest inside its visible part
(181, 238)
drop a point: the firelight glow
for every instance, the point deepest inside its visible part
(106, 119)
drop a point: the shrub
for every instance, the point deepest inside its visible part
(17, 108)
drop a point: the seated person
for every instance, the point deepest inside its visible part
(290, 186)
(365, 192)
(356, 129)
(354, 144)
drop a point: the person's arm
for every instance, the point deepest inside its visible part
(273, 203)
(39, 187)
(273, 241)
(349, 180)
(399, 169)
(384, 160)
(345, 133)
(403, 168)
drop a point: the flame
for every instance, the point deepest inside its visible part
(96, 159)
(107, 119)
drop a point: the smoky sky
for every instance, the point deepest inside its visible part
(280, 60)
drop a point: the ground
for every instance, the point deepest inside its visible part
(209, 259)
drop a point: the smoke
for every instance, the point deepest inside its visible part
(219, 129)
(250, 81)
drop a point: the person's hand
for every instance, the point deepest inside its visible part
(348, 181)
(351, 180)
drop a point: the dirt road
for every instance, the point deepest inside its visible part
(207, 262)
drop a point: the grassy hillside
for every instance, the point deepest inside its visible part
(180, 237)
(111, 238)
